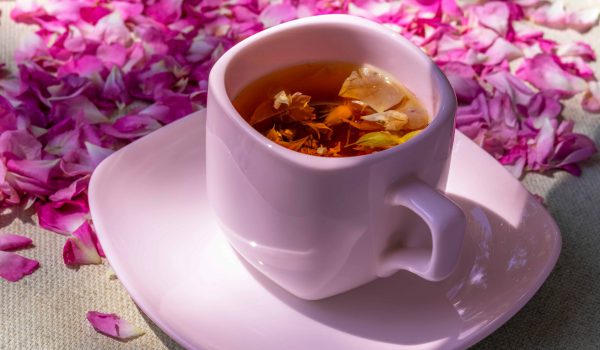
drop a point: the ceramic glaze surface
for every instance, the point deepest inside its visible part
(321, 226)
(149, 206)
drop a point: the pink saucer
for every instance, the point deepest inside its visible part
(149, 207)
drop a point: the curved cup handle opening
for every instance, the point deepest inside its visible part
(446, 222)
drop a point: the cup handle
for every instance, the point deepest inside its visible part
(446, 222)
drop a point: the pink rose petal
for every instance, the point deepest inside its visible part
(502, 50)
(277, 13)
(507, 83)
(73, 190)
(113, 326)
(63, 217)
(557, 16)
(82, 247)
(494, 15)
(13, 267)
(13, 242)
(583, 20)
(463, 80)
(546, 74)
(577, 48)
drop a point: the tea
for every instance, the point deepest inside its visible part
(332, 109)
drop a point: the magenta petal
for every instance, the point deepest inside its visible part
(13, 267)
(35, 169)
(81, 249)
(73, 190)
(63, 217)
(113, 326)
(131, 126)
(11, 242)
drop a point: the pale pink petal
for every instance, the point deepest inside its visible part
(502, 50)
(591, 99)
(277, 13)
(545, 73)
(13, 267)
(75, 42)
(113, 326)
(112, 54)
(479, 38)
(543, 146)
(81, 248)
(63, 217)
(583, 20)
(112, 29)
(30, 45)
(553, 15)
(507, 83)
(576, 48)
(494, 15)
(12, 242)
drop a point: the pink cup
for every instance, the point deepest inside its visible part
(321, 226)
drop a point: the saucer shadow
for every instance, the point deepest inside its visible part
(372, 311)
(565, 313)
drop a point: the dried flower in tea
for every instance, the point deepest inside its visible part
(332, 109)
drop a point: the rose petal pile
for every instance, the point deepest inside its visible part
(98, 74)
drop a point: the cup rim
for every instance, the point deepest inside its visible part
(447, 104)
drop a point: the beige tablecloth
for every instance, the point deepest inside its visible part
(47, 309)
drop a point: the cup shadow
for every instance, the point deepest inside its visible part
(373, 311)
(499, 266)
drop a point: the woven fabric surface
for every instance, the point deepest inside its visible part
(47, 309)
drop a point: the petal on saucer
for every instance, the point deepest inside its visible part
(113, 326)
(13, 267)
(12, 242)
